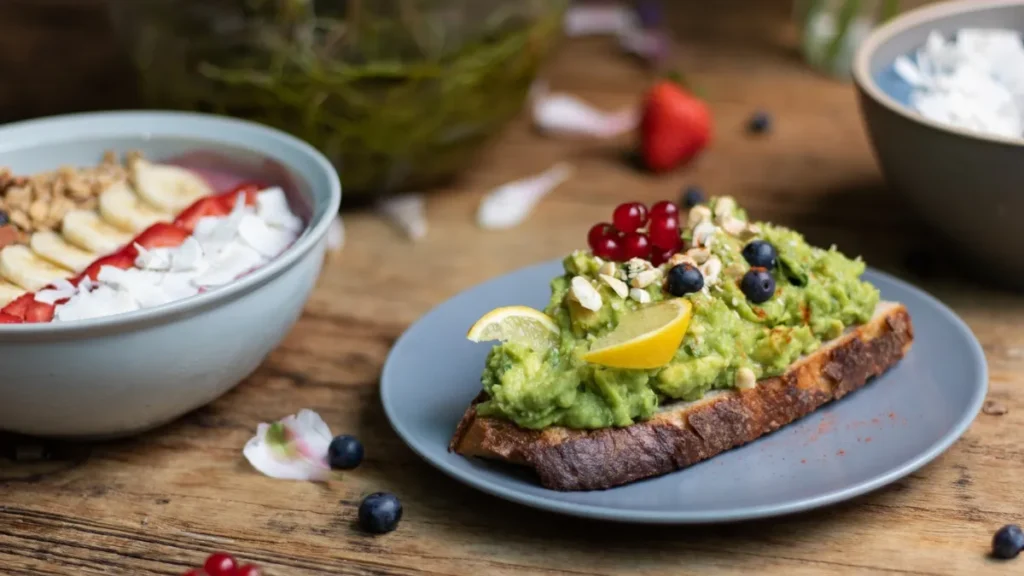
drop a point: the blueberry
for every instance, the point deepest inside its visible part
(684, 279)
(379, 513)
(1008, 542)
(344, 453)
(759, 123)
(692, 196)
(761, 254)
(758, 285)
(4, 218)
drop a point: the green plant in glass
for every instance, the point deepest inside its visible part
(831, 30)
(399, 94)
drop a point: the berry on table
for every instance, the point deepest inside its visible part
(664, 232)
(220, 564)
(758, 285)
(759, 123)
(380, 513)
(692, 196)
(196, 572)
(1008, 542)
(599, 232)
(344, 453)
(636, 245)
(684, 279)
(761, 254)
(629, 217)
(608, 248)
(662, 209)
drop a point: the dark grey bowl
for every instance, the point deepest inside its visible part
(968, 186)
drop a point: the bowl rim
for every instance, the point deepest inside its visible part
(889, 30)
(182, 125)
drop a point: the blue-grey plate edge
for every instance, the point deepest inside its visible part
(552, 504)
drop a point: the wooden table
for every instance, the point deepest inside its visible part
(159, 503)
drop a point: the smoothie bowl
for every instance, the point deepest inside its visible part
(149, 261)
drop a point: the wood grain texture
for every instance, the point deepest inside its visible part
(157, 504)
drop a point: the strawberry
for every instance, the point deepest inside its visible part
(40, 311)
(159, 235)
(124, 259)
(674, 128)
(9, 319)
(249, 189)
(219, 205)
(19, 306)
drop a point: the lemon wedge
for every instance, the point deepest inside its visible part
(519, 324)
(647, 338)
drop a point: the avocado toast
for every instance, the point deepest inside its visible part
(646, 362)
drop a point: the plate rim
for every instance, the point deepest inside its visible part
(795, 506)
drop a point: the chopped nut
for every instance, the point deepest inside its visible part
(677, 259)
(724, 208)
(646, 278)
(711, 269)
(618, 286)
(585, 293)
(38, 211)
(608, 269)
(745, 379)
(733, 226)
(734, 270)
(639, 295)
(993, 408)
(699, 255)
(637, 265)
(19, 219)
(697, 215)
(702, 233)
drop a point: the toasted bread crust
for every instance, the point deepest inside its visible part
(683, 434)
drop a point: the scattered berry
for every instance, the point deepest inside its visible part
(659, 256)
(1008, 542)
(636, 245)
(380, 513)
(761, 254)
(344, 453)
(693, 196)
(758, 285)
(599, 232)
(675, 126)
(664, 232)
(4, 218)
(629, 217)
(248, 570)
(196, 572)
(684, 279)
(609, 249)
(220, 564)
(759, 123)
(662, 209)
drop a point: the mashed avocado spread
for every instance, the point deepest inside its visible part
(818, 295)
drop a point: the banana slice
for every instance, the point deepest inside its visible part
(85, 229)
(51, 246)
(121, 207)
(168, 188)
(8, 292)
(21, 266)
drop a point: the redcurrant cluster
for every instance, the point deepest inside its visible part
(636, 233)
(223, 564)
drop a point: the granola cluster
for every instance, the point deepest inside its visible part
(39, 202)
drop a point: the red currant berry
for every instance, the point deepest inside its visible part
(609, 249)
(220, 564)
(598, 232)
(248, 570)
(659, 256)
(630, 217)
(196, 572)
(636, 245)
(662, 209)
(664, 232)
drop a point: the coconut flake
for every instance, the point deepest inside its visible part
(293, 448)
(336, 234)
(509, 204)
(559, 113)
(598, 19)
(408, 213)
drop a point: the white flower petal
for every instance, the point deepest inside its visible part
(336, 234)
(408, 213)
(595, 19)
(509, 204)
(306, 459)
(557, 113)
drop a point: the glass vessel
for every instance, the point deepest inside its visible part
(399, 94)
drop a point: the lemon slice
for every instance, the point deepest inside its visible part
(647, 338)
(518, 324)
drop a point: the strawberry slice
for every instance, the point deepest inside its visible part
(675, 127)
(249, 189)
(124, 260)
(40, 311)
(9, 319)
(159, 235)
(219, 205)
(19, 306)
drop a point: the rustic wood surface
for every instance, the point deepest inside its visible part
(158, 504)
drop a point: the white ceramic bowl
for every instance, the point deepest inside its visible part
(127, 373)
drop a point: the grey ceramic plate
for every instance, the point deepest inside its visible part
(875, 436)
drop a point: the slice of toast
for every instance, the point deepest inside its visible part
(681, 434)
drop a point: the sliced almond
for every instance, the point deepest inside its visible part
(699, 255)
(639, 295)
(677, 259)
(697, 215)
(584, 292)
(607, 269)
(646, 278)
(617, 286)
(711, 269)
(702, 233)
